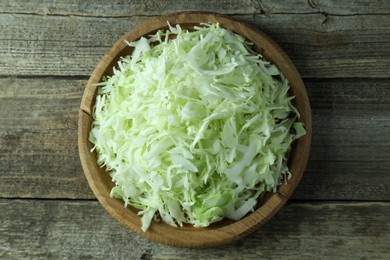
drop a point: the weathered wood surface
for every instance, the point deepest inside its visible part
(36, 229)
(325, 40)
(155, 7)
(349, 156)
(341, 208)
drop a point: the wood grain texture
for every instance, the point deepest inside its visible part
(38, 138)
(324, 40)
(38, 146)
(340, 47)
(155, 7)
(42, 229)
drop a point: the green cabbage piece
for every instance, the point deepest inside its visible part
(194, 129)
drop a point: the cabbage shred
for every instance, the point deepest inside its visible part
(194, 129)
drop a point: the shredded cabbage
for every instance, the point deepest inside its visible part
(194, 129)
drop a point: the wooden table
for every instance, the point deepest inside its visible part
(341, 208)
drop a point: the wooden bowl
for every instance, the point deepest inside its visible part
(224, 231)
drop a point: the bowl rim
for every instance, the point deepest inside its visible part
(216, 234)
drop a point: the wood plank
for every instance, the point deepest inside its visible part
(70, 39)
(124, 8)
(350, 144)
(42, 229)
(155, 7)
(38, 138)
(344, 180)
(39, 156)
(353, 114)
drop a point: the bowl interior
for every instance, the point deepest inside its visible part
(226, 230)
